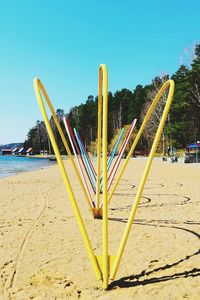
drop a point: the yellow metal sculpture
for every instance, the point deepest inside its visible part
(105, 266)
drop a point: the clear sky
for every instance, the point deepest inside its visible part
(63, 42)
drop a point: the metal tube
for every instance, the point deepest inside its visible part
(77, 160)
(87, 156)
(103, 77)
(109, 163)
(117, 162)
(80, 155)
(85, 161)
(115, 149)
(148, 115)
(99, 139)
(169, 83)
(38, 86)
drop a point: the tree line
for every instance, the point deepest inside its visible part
(182, 126)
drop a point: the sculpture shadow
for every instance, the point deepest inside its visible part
(139, 280)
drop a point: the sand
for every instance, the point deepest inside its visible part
(42, 255)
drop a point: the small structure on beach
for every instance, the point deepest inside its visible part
(15, 151)
(192, 154)
(29, 151)
(6, 151)
(44, 152)
(22, 151)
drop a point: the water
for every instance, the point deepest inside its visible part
(11, 165)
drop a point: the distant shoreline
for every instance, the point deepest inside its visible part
(14, 165)
(24, 172)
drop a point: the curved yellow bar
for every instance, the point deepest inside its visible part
(103, 82)
(99, 139)
(147, 117)
(39, 87)
(169, 83)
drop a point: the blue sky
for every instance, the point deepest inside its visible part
(63, 43)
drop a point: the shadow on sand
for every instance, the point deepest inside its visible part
(139, 280)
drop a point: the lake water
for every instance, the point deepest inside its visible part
(11, 165)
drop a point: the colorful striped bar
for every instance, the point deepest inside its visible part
(70, 136)
(87, 165)
(121, 152)
(87, 156)
(113, 154)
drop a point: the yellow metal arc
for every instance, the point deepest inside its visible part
(104, 77)
(39, 87)
(103, 83)
(169, 83)
(137, 138)
(99, 138)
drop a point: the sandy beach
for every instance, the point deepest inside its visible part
(42, 255)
